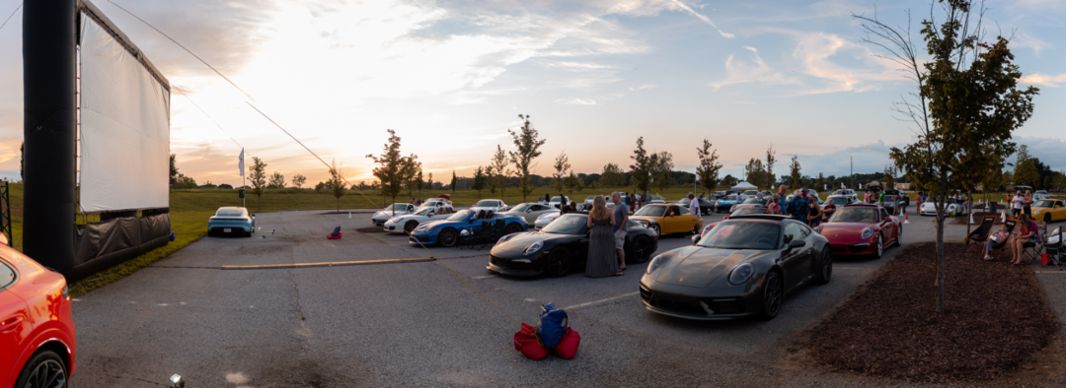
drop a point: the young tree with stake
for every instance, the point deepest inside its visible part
(394, 170)
(709, 166)
(527, 143)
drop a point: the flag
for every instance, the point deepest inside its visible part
(240, 162)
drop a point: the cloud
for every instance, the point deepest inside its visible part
(1046, 80)
(751, 70)
(1049, 150)
(706, 20)
(576, 101)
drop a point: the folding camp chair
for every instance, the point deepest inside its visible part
(1032, 249)
(1054, 247)
(982, 232)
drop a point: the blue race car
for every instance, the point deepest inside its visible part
(466, 226)
(726, 202)
(231, 220)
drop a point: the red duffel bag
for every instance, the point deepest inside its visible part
(526, 342)
(567, 347)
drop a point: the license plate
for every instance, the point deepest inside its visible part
(227, 230)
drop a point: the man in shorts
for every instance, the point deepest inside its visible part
(621, 218)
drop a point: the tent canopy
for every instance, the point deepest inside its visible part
(744, 186)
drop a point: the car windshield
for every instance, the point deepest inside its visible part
(567, 224)
(743, 235)
(838, 201)
(229, 213)
(487, 203)
(557, 199)
(751, 201)
(397, 206)
(731, 197)
(651, 211)
(521, 207)
(1044, 204)
(867, 215)
(425, 211)
(461, 215)
(749, 210)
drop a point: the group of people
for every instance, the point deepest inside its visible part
(802, 207)
(1027, 231)
(607, 237)
(1021, 203)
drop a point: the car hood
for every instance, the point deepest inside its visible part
(835, 230)
(700, 267)
(516, 246)
(645, 218)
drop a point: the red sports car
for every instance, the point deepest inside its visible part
(36, 328)
(861, 230)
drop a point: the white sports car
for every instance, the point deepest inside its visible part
(436, 203)
(396, 209)
(406, 223)
(496, 205)
(530, 211)
(950, 209)
(546, 218)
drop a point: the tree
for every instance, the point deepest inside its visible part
(416, 180)
(771, 159)
(966, 106)
(527, 143)
(498, 171)
(709, 166)
(755, 173)
(729, 181)
(889, 181)
(612, 176)
(173, 167)
(1025, 170)
(298, 180)
(641, 168)
(562, 168)
(479, 179)
(794, 176)
(454, 181)
(258, 178)
(277, 181)
(429, 182)
(394, 170)
(661, 163)
(573, 182)
(335, 185)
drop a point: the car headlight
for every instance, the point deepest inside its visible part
(655, 263)
(533, 248)
(741, 274)
(421, 229)
(867, 233)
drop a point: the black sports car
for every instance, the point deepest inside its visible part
(742, 267)
(560, 247)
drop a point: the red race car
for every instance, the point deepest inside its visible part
(36, 327)
(861, 230)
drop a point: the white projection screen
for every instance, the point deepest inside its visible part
(125, 127)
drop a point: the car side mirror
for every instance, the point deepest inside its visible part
(696, 239)
(792, 245)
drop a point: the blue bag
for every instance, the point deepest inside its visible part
(553, 325)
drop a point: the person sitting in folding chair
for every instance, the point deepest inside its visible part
(1026, 234)
(996, 240)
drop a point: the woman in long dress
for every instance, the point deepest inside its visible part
(601, 258)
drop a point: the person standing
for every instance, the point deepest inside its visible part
(782, 199)
(601, 259)
(693, 205)
(621, 220)
(799, 207)
(547, 198)
(1016, 203)
(772, 207)
(1027, 204)
(814, 214)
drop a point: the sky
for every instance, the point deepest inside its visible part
(451, 77)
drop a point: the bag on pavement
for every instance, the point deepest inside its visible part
(567, 347)
(526, 342)
(553, 323)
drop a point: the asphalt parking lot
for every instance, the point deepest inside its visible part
(435, 317)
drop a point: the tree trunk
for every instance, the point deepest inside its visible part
(969, 208)
(941, 198)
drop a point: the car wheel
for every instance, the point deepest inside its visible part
(880, 247)
(640, 251)
(410, 226)
(512, 228)
(899, 236)
(448, 237)
(44, 370)
(773, 292)
(557, 263)
(825, 268)
(1047, 218)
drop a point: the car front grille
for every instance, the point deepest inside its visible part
(690, 305)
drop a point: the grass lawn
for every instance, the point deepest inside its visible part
(189, 210)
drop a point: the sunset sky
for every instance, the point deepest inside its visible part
(452, 76)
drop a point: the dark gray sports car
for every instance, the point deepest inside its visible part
(744, 266)
(560, 247)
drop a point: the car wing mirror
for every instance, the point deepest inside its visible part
(696, 239)
(796, 244)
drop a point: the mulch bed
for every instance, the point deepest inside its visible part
(996, 318)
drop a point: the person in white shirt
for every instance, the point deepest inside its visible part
(1017, 201)
(693, 204)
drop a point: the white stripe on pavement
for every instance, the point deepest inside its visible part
(601, 301)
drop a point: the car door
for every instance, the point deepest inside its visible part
(672, 220)
(796, 263)
(13, 320)
(1059, 211)
(888, 227)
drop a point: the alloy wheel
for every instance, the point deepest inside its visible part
(773, 292)
(46, 373)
